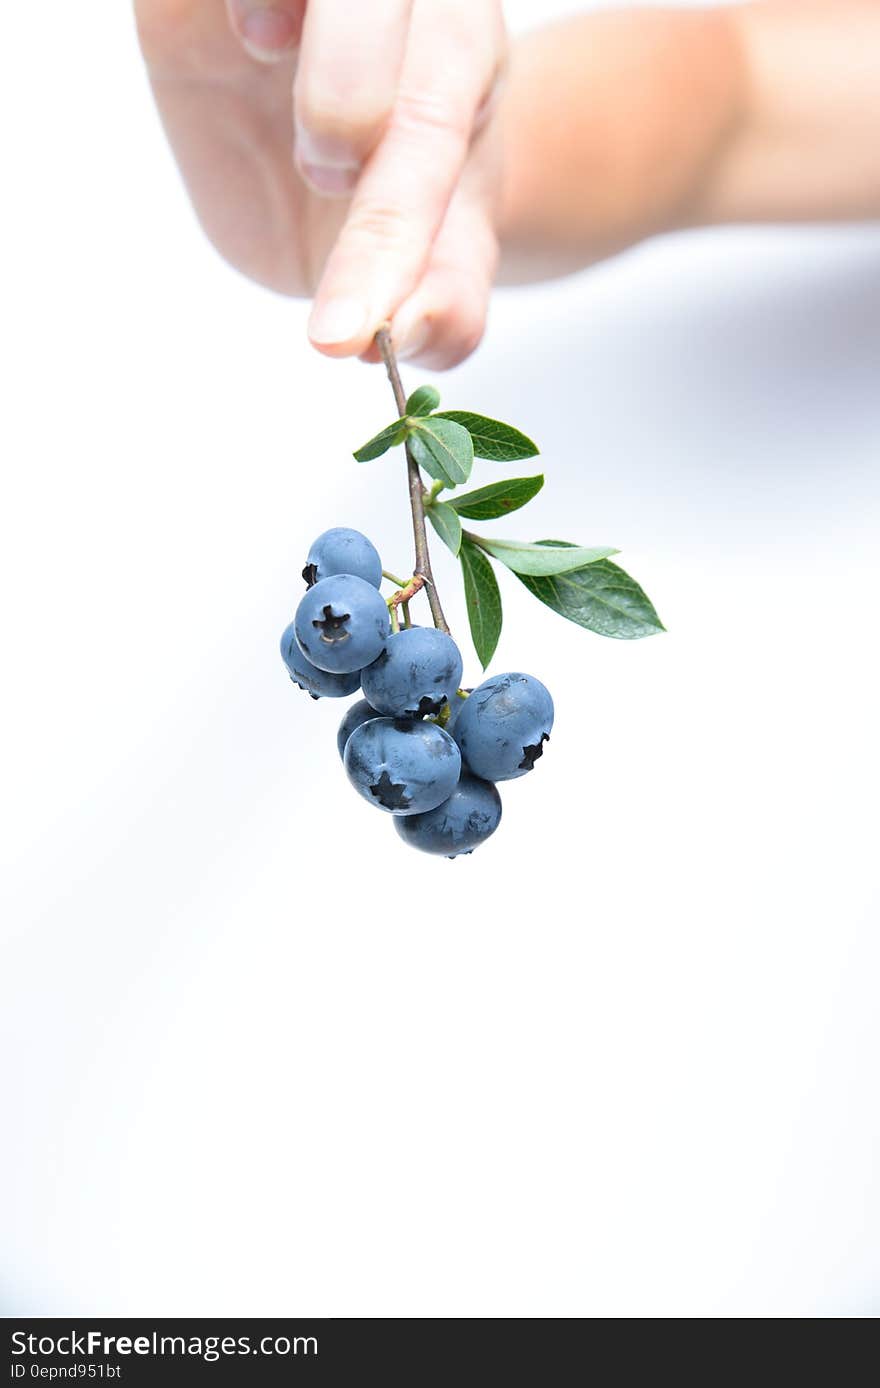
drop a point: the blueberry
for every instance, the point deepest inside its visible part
(503, 726)
(342, 624)
(460, 824)
(342, 551)
(418, 671)
(318, 683)
(401, 765)
(361, 712)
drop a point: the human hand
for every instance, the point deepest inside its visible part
(346, 151)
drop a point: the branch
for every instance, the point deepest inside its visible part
(422, 566)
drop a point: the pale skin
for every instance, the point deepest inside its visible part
(392, 159)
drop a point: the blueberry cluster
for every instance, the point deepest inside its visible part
(416, 745)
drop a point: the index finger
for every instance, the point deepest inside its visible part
(400, 201)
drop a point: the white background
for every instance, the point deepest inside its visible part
(256, 1057)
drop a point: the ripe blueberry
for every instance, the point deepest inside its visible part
(361, 712)
(402, 766)
(343, 551)
(418, 671)
(503, 726)
(342, 624)
(318, 683)
(459, 824)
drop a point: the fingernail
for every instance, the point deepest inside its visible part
(326, 162)
(266, 31)
(333, 180)
(314, 148)
(337, 320)
(412, 340)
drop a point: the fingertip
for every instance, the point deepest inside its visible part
(439, 333)
(372, 356)
(329, 165)
(267, 32)
(329, 180)
(411, 339)
(345, 86)
(340, 326)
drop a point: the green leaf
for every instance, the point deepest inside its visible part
(483, 601)
(423, 400)
(602, 597)
(443, 449)
(381, 442)
(446, 523)
(492, 439)
(499, 499)
(539, 560)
